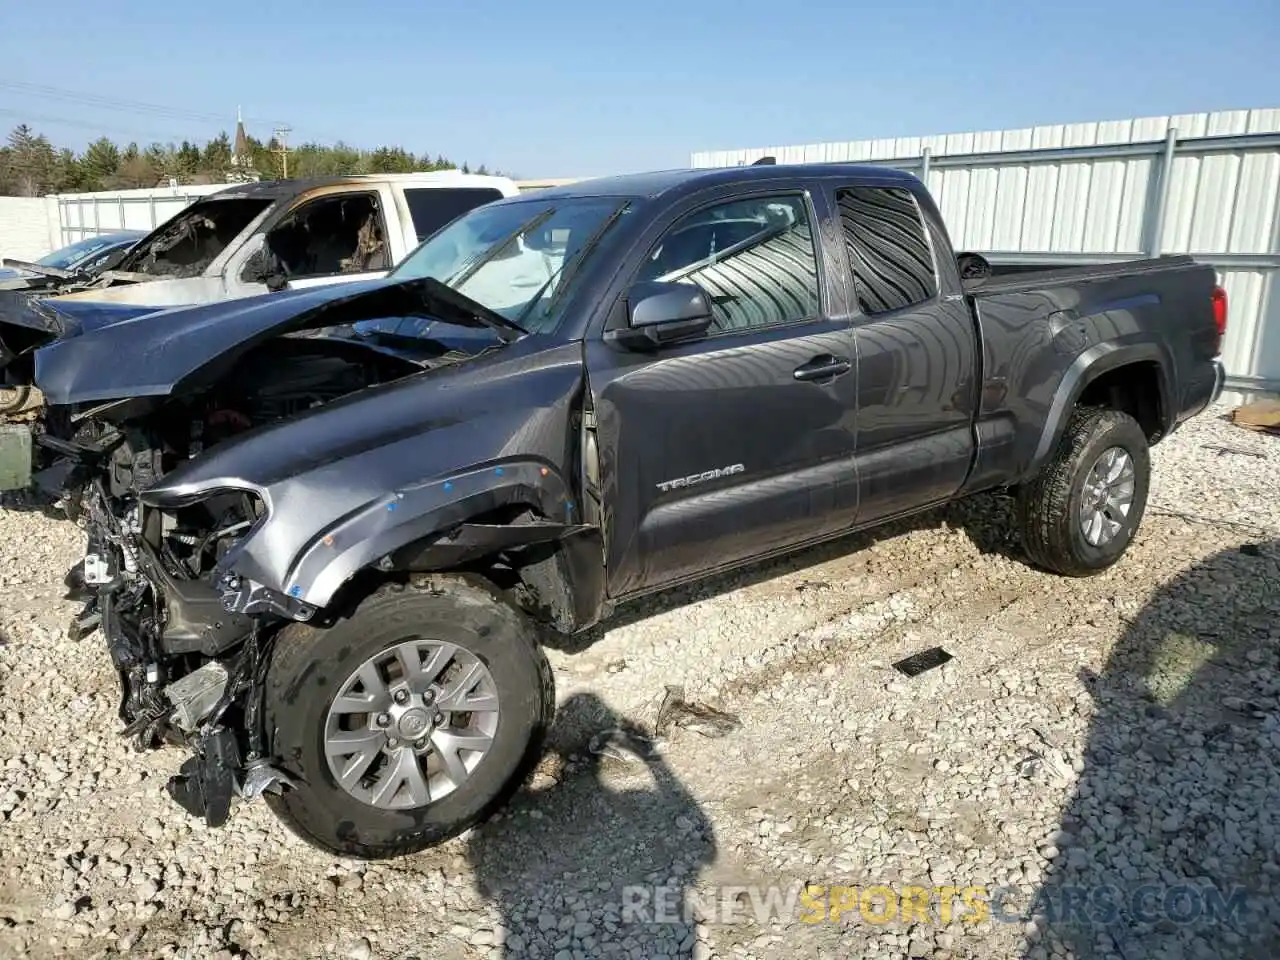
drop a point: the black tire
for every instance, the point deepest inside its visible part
(1049, 505)
(307, 665)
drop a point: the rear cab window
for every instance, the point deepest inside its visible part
(433, 207)
(888, 248)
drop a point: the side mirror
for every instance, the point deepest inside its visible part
(261, 268)
(661, 313)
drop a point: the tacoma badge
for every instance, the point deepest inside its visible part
(690, 480)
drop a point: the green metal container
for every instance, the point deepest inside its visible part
(15, 456)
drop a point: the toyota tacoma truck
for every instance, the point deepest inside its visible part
(327, 528)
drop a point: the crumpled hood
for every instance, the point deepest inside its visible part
(79, 316)
(63, 317)
(160, 352)
(20, 309)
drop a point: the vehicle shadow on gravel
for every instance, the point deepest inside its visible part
(1170, 846)
(988, 520)
(606, 856)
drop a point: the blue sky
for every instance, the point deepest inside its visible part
(583, 89)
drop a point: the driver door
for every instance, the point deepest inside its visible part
(739, 443)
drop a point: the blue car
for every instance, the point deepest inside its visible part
(87, 256)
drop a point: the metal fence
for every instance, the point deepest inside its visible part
(83, 215)
(1055, 195)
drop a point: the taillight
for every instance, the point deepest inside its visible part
(1219, 300)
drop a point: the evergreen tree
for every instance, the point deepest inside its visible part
(30, 162)
(101, 161)
(188, 161)
(31, 166)
(68, 173)
(216, 159)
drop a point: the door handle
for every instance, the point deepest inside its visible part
(823, 368)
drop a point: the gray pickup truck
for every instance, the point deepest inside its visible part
(326, 526)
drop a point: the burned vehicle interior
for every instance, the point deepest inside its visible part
(328, 236)
(339, 234)
(333, 235)
(194, 238)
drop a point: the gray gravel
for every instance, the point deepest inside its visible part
(1090, 734)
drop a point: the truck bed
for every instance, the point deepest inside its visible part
(1017, 278)
(1043, 329)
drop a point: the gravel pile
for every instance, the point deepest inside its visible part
(1115, 734)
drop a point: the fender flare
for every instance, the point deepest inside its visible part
(380, 528)
(1086, 368)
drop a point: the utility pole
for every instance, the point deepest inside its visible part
(282, 149)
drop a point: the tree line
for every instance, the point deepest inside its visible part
(31, 166)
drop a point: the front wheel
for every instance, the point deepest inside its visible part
(1081, 513)
(408, 722)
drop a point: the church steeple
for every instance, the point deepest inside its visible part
(240, 148)
(242, 170)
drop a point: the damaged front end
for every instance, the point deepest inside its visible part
(188, 620)
(189, 656)
(30, 438)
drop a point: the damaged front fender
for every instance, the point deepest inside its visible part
(409, 516)
(385, 478)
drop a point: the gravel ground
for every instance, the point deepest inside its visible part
(1089, 735)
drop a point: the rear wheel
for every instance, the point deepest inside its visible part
(408, 722)
(1080, 514)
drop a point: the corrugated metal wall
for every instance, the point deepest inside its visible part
(1093, 191)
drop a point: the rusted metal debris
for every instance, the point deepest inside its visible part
(678, 712)
(1263, 416)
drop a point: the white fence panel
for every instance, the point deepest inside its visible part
(24, 228)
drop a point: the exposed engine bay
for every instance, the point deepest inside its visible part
(189, 652)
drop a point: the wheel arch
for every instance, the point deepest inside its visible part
(521, 510)
(1098, 377)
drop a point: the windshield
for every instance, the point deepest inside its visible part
(516, 259)
(187, 244)
(69, 256)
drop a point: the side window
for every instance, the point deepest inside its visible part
(888, 250)
(754, 258)
(432, 207)
(331, 235)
